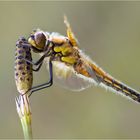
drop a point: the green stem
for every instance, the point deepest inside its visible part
(23, 109)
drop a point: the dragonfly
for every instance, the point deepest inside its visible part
(69, 66)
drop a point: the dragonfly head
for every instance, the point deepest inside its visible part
(38, 40)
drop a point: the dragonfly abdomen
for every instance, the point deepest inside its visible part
(121, 88)
(93, 71)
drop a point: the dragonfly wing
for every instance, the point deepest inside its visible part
(92, 74)
(66, 77)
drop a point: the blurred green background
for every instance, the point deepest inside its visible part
(109, 32)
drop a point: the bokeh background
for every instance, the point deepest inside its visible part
(109, 32)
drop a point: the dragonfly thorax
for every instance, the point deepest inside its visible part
(60, 47)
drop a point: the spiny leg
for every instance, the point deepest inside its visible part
(45, 85)
(37, 68)
(38, 63)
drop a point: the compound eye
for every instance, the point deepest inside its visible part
(40, 40)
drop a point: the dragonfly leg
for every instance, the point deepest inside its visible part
(39, 61)
(45, 85)
(37, 68)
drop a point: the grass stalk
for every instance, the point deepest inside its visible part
(24, 112)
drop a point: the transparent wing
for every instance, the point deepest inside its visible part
(66, 77)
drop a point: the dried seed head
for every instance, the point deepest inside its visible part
(23, 69)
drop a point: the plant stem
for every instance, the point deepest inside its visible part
(23, 109)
